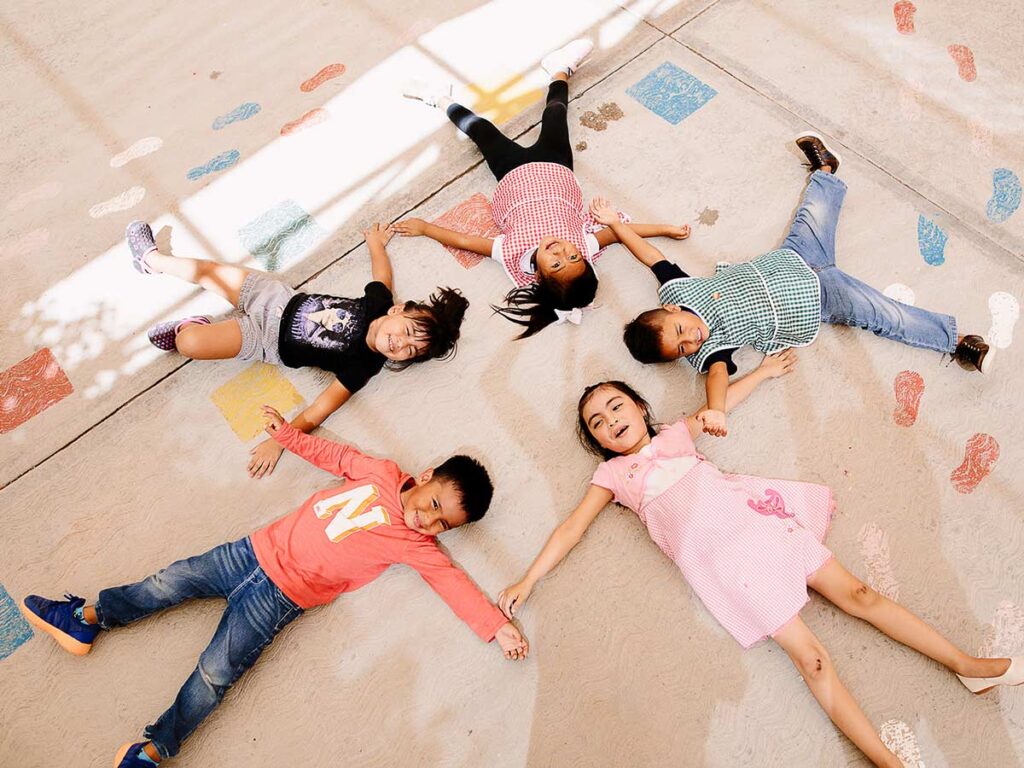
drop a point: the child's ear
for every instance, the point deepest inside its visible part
(425, 476)
(397, 309)
(671, 307)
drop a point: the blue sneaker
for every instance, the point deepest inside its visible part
(132, 756)
(57, 618)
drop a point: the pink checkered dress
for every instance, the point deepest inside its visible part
(746, 545)
(537, 200)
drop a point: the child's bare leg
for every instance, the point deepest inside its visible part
(855, 597)
(223, 279)
(815, 666)
(216, 341)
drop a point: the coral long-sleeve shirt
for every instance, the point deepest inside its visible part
(346, 536)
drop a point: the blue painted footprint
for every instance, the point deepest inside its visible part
(219, 163)
(241, 112)
(931, 241)
(1005, 195)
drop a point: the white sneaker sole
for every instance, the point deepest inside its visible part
(819, 137)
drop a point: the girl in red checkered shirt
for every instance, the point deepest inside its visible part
(549, 241)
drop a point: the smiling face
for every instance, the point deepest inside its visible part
(559, 259)
(615, 420)
(396, 336)
(682, 332)
(432, 506)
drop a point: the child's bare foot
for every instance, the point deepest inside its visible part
(431, 94)
(567, 59)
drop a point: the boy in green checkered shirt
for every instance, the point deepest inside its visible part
(778, 300)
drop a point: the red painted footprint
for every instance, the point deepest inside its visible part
(909, 387)
(979, 457)
(904, 12)
(321, 77)
(308, 120)
(964, 58)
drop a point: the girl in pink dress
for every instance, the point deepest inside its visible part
(748, 546)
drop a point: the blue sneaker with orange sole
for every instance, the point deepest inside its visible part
(133, 756)
(57, 619)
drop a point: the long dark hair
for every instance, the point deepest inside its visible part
(439, 321)
(533, 306)
(587, 440)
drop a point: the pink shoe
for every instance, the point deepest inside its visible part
(163, 336)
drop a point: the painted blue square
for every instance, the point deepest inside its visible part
(672, 93)
(281, 235)
(14, 630)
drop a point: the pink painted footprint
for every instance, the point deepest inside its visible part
(909, 387)
(308, 120)
(904, 12)
(964, 58)
(980, 456)
(327, 73)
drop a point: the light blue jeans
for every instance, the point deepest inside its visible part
(256, 611)
(846, 300)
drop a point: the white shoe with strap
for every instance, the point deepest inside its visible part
(1014, 675)
(567, 58)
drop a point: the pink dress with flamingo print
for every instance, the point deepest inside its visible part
(746, 545)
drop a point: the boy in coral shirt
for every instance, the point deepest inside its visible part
(338, 540)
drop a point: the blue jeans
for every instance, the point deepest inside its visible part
(846, 300)
(256, 611)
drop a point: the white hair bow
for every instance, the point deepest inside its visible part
(574, 315)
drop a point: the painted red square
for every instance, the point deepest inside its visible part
(30, 387)
(470, 217)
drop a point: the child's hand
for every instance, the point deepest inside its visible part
(603, 212)
(779, 364)
(379, 233)
(272, 420)
(264, 458)
(512, 598)
(512, 642)
(410, 227)
(713, 422)
(678, 233)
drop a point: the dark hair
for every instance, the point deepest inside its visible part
(438, 321)
(643, 337)
(471, 483)
(533, 306)
(587, 440)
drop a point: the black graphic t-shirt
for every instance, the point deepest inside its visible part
(329, 332)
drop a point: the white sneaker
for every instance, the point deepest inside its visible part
(431, 94)
(567, 58)
(1014, 675)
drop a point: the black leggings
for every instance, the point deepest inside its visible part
(502, 154)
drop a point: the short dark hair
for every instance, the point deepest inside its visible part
(533, 306)
(643, 337)
(471, 482)
(439, 321)
(587, 439)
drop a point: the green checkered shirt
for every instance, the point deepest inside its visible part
(770, 303)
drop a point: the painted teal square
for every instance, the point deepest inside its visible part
(14, 630)
(672, 93)
(281, 236)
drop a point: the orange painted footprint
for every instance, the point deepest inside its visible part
(308, 120)
(979, 457)
(904, 12)
(909, 387)
(327, 73)
(964, 58)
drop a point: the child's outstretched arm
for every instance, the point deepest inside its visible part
(418, 227)
(606, 237)
(771, 367)
(562, 540)
(336, 458)
(377, 238)
(604, 213)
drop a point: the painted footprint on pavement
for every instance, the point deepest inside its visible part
(909, 387)
(980, 457)
(127, 199)
(219, 163)
(46, 191)
(1006, 192)
(308, 120)
(900, 739)
(327, 73)
(904, 12)
(140, 148)
(931, 241)
(904, 294)
(964, 58)
(241, 112)
(874, 548)
(1005, 311)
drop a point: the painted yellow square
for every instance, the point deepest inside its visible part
(241, 398)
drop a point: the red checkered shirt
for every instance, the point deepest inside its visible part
(535, 201)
